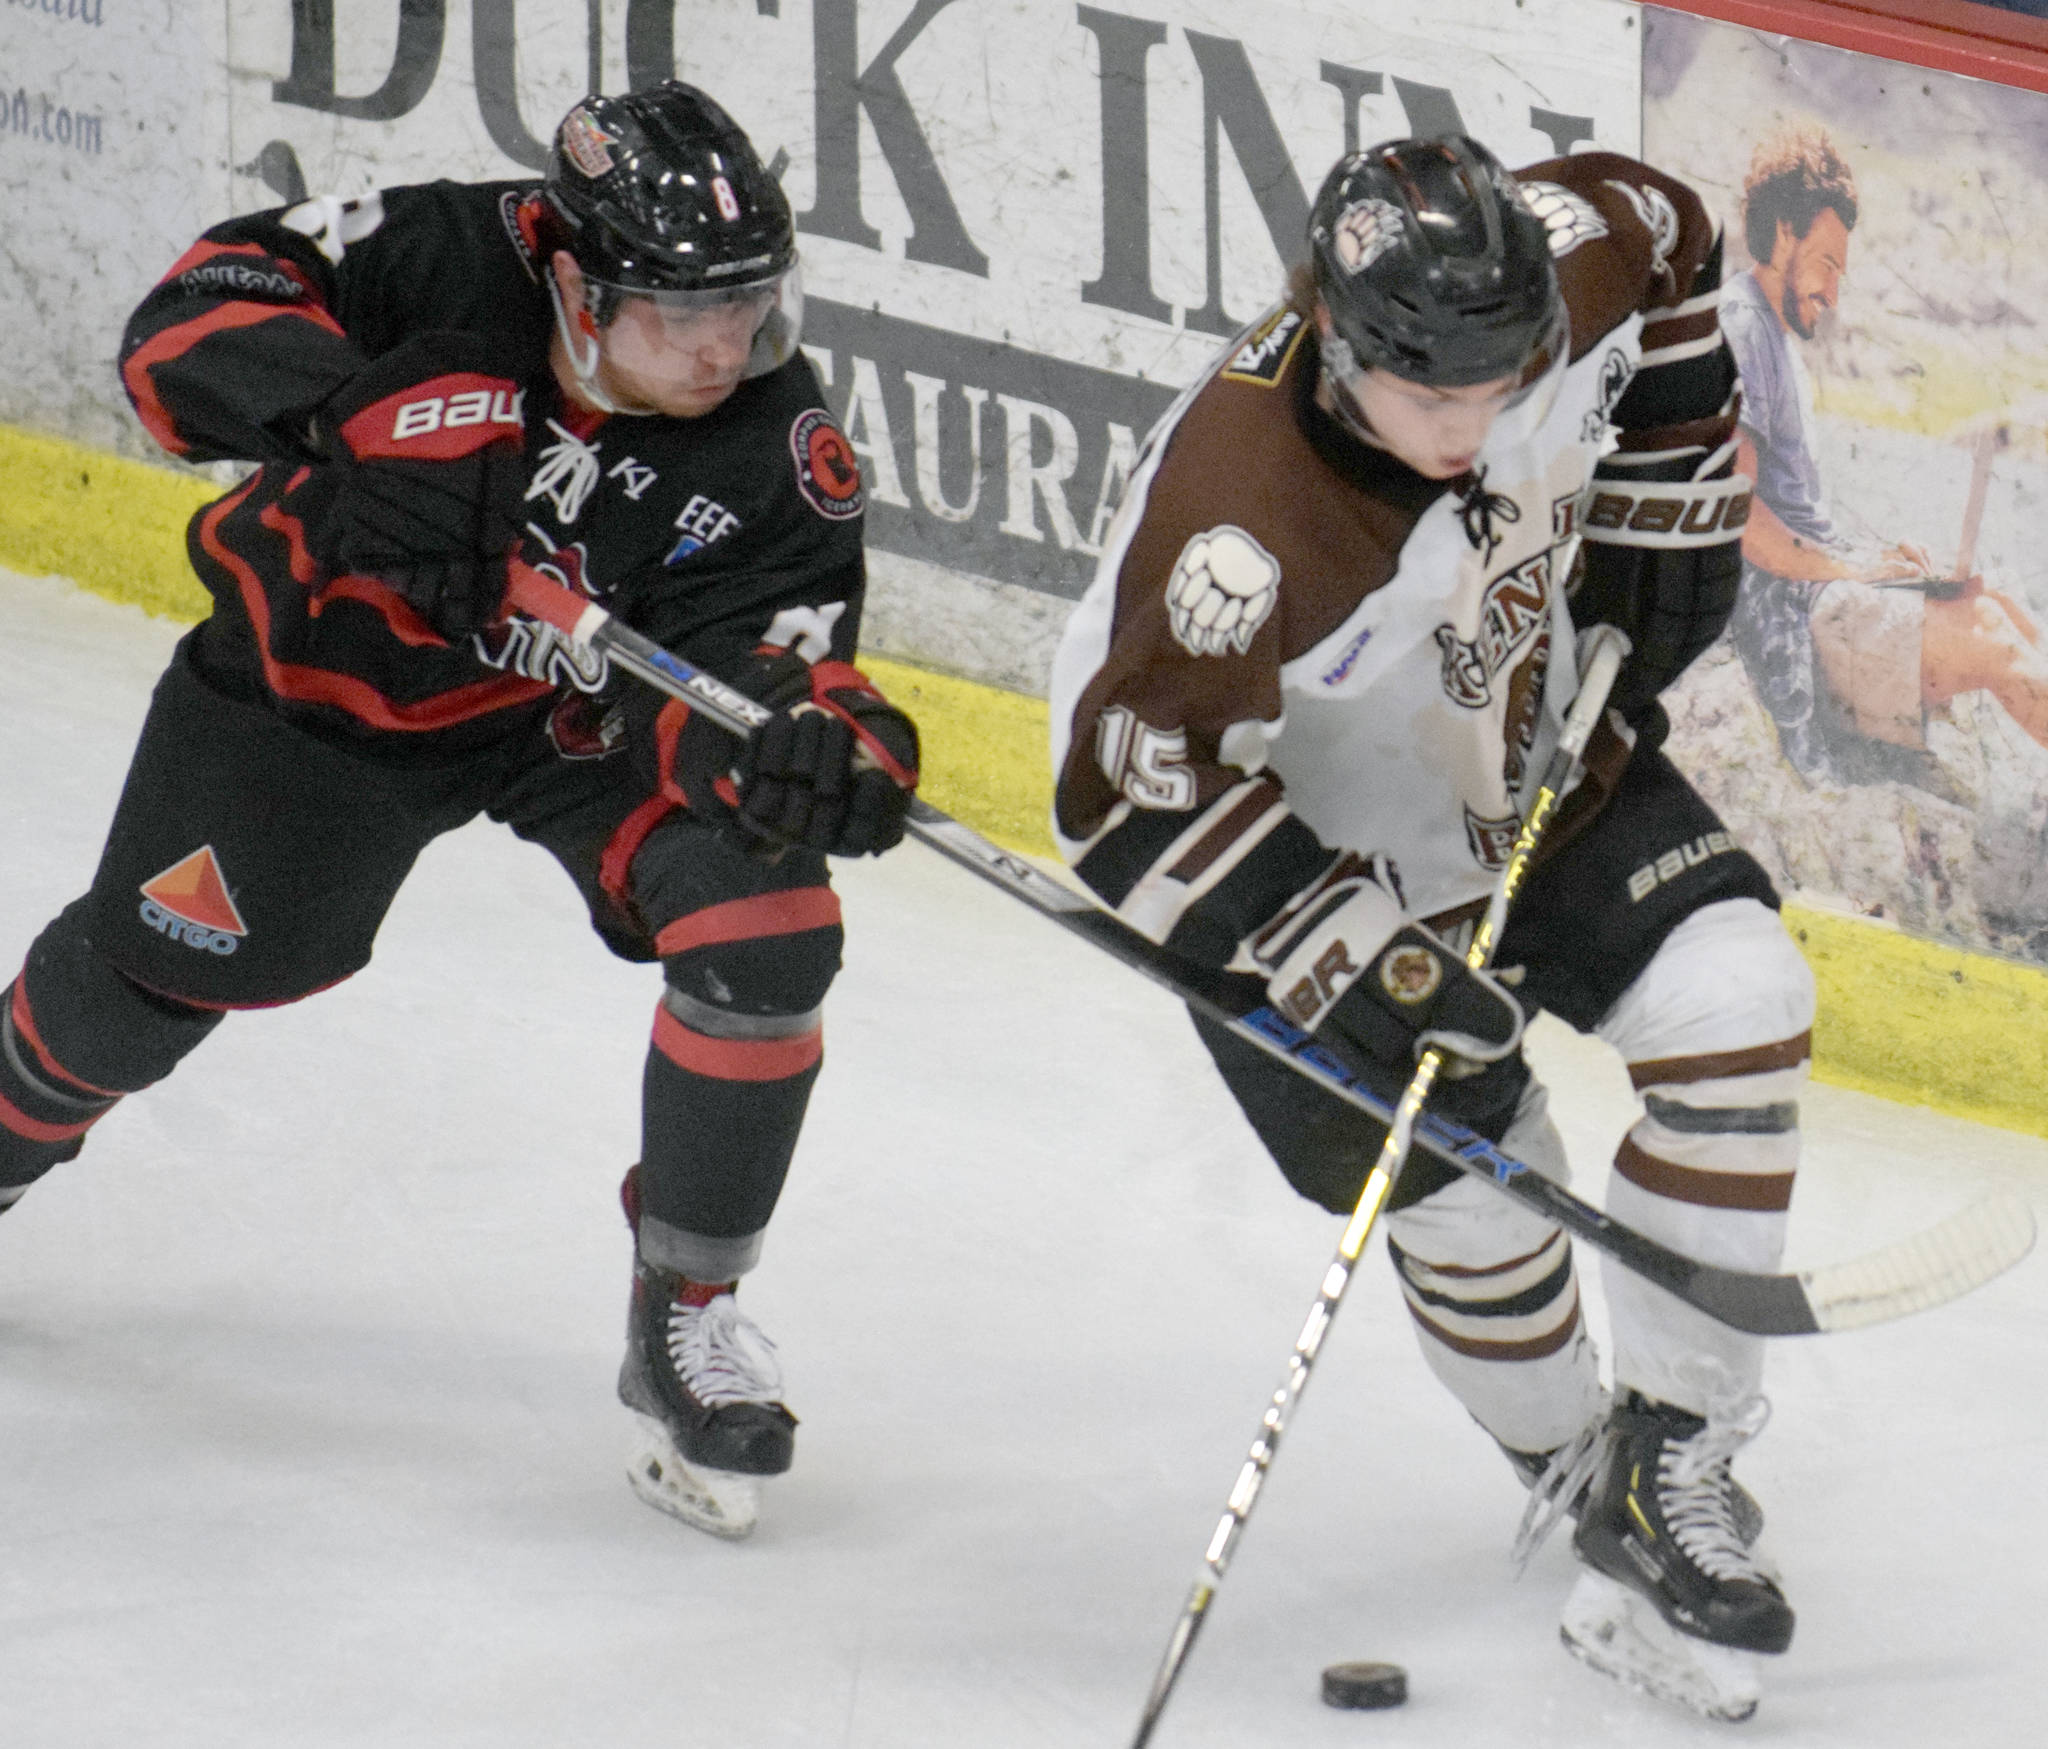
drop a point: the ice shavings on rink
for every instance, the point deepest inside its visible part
(306, 1422)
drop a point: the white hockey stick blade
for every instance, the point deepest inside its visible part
(1929, 1269)
(1610, 1629)
(722, 1502)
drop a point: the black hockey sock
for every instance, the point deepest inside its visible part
(44, 1113)
(720, 1122)
(75, 1036)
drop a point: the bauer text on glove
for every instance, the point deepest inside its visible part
(425, 481)
(1347, 958)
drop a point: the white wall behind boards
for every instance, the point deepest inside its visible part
(1025, 222)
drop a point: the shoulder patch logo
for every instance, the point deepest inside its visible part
(1262, 359)
(827, 470)
(1223, 588)
(1364, 231)
(1656, 214)
(190, 902)
(1570, 218)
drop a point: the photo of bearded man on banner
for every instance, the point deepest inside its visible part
(1876, 720)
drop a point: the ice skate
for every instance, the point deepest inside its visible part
(1673, 1601)
(705, 1389)
(1559, 1481)
(1614, 1631)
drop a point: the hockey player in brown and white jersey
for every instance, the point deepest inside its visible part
(1330, 641)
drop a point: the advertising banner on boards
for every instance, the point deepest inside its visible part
(113, 156)
(1876, 723)
(1025, 223)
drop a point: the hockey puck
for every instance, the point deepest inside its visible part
(1365, 1686)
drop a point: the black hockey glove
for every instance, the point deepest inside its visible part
(426, 478)
(1346, 962)
(833, 770)
(1663, 561)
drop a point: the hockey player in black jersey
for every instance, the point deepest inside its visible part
(598, 372)
(1297, 720)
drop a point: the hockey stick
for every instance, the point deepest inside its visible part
(1927, 1269)
(1608, 648)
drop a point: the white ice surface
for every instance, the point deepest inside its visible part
(306, 1426)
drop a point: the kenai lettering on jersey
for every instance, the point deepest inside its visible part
(1516, 603)
(1262, 359)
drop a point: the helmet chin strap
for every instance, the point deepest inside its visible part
(583, 356)
(1347, 412)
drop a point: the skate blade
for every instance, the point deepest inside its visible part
(1607, 1626)
(722, 1502)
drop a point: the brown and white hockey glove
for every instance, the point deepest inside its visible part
(1346, 959)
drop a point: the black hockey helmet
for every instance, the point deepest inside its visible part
(660, 194)
(1432, 266)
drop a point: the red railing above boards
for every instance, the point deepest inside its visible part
(1953, 36)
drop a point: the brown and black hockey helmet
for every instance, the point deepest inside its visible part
(1432, 266)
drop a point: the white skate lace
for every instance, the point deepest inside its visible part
(1696, 1492)
(1571, 1467)
(721, 1355)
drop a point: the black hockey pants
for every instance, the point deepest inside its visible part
(250, 864)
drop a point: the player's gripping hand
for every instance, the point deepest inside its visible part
(426, 478)
(832, 770)
(1347, 960)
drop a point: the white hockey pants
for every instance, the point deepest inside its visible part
(1716, 1033)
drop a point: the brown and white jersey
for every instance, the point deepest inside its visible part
(1296, 645)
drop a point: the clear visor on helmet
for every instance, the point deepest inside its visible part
(1531, 390)
(765, 315)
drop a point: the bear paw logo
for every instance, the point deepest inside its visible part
(1364, 231)
(1223, 588)
(1570, 218)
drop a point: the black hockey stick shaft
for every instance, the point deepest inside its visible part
(1922, 1271)
(1606, 649)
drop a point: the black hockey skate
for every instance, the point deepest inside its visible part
(705, 1389)
(1661, 1520)
(1671, 1601)
(1560, 1480)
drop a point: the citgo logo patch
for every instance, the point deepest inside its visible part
(189, 902)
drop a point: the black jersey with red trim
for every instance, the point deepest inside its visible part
(707, 534)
